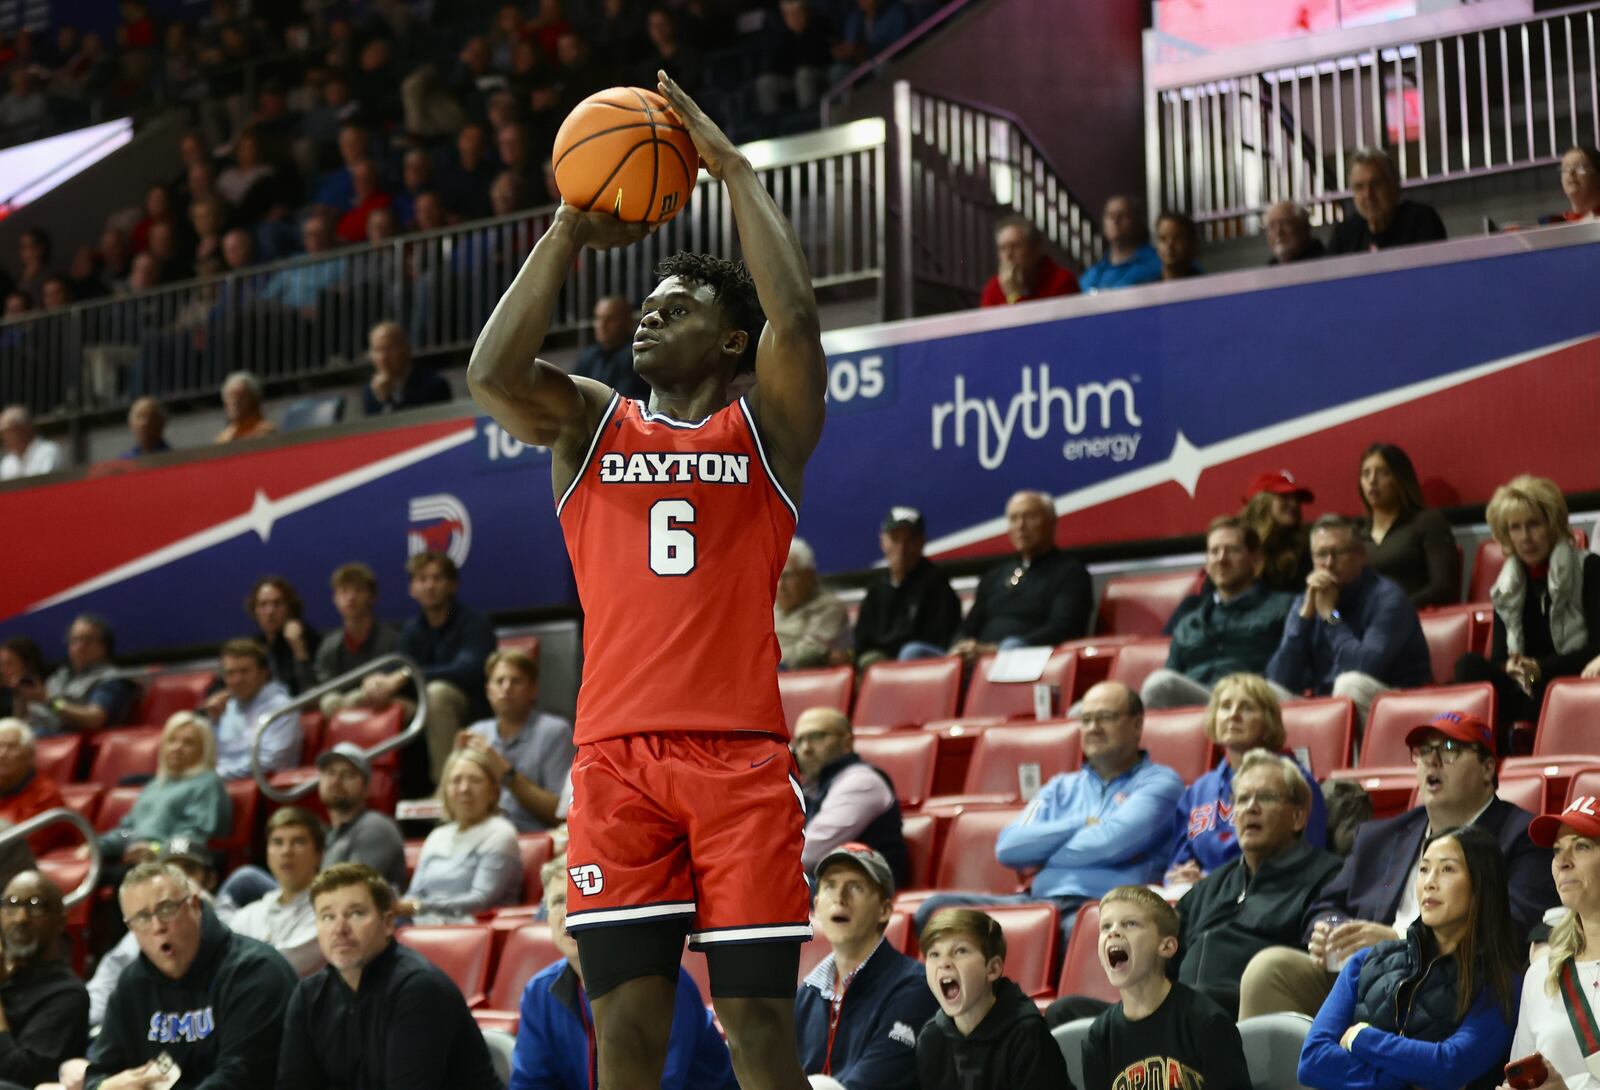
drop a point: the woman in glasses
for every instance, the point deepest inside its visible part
(187, 798)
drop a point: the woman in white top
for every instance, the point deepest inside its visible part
(1545, 1020)
(471, 863)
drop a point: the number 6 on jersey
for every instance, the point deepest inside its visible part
(671, 546)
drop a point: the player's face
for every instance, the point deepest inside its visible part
(350, 929)
(851, 909)
(959, 976)
(681, 339)
(1130, 947)
(511, 692)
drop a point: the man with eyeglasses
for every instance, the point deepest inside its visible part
(1353, 632)
(1373, 898)
(44, 1009)
(847, 799)
(210, 1000)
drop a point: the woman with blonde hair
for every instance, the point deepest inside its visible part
(471, 862)
(1546, 603)
(1243, 715)
(186, 798)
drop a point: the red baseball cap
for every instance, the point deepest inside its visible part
(1280, 483)
(1582, 816)
(1458, 725)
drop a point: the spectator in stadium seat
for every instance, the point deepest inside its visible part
(512, 141)
(1379, 219)
(1243, 716)
(909, 611)
(856, 1015)
(847, 799)
(380, 1013)
(147, 424)
(44, 1008)
(366, 195)
(24, 111)
(1289, 237)
(796, 51)
(396, 384)
(416, 177)
(1041, 598)
(1373, 898)
(668, 51)
(609, 357)
(24, 790)
(241, 404)
(465, 177)
(283, 919)
(1107, 825)
(450, 642)
(357, 834)
(185, 799)
(249, 693)
(1580, 181)
(471, 862)
(870, 27)
(1177, 241)
(361, 636)
(1352, 632)
(530, 751)
(1129, 259)
(21, 662)
(238, 249)
(555, 1049)
(1026, 272)
(1411, 543)
(211, 999)
(26, 455)
(1234, 627)
(85, 693)
(336, 189)
(1273, 505)
(1546, 602)
(33, 261)
(812, 626)
(274, 604)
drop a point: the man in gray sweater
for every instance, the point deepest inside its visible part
(358, 835)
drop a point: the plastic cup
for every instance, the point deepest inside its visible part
(1331, 961)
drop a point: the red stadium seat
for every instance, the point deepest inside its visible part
(1032, 935)
(1525, 788)
(527, 950)
(967, 860)
(897, 934)
(920, 832)
(168, 693)
(1450, 633)
(896, 693)
(235, 846)
(313, 732)
(1176, 737)
(114, 804)
(1585, 783)
(1486, 567)
(1014, 699)
(57, 757)
(1001, 752)
(1081, 973)
(413, 852)
(1393, 714)
(528, 645)
(460, 950)
(126, 751)
(1138, 660)
(1566, 739)
(367, 728)
(826, 688)
(1095, 656)
(1319, 732)
(84, 798)
(1139, 605)
(908, 757)
(536, 849)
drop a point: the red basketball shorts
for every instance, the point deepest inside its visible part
(706, 827)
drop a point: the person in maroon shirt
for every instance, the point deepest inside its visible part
(1026, 271)
(24, 790)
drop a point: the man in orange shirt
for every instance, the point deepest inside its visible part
(24, 790)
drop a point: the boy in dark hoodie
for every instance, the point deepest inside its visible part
(1161, 1035)
(987, 1032)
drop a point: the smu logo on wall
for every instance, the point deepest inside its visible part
(439, 524)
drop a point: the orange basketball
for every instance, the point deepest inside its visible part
(624, 151)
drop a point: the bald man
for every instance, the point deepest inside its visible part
(609, 357)
(44, 1008)
(846, 798)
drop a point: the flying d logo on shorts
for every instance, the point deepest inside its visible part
(439, 524)
(588, 879)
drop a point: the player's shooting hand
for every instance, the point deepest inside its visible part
(601, 230)
(717, 152)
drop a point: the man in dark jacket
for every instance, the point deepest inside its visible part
(846, 798)
(44, 1008)
(1233, 627)
(379, 1014)
(210, 1000)
(396, 382)
(1378, 218)
(909, 611)
(1373, 897)
(866, 1000)
(1039, 598)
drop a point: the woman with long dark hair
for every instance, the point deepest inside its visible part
(1433, 1009)
(1411, 543)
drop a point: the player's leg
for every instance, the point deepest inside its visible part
(752, 988)
(630, 974)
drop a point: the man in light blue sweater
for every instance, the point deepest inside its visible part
(1106, 825)
(251, 694)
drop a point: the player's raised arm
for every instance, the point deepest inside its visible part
(532, 399)
(791, 370)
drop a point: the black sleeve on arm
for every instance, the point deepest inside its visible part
(942, 614)
(249, 1018)
(1072, 600)
(58, 1028)
(1572, 663)
(416, 1053)
(1225, 1066)
(299, 1067)
(1034, 1060)
(972, 625)
(1096, 1075)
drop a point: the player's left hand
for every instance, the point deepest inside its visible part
(717, 152)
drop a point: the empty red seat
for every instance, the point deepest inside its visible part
(1176, 737)
(125, 751)
(536, 849)
(920, 832)
(460, 950)
(1319, 732)
(168, 693)
(367, 728)
(1094, 658)
(1138, 660)
(1139, 605)
(1450, 634)
(908, 757)
(896, 693)
(57, 757)
(1002, 752)
(235, 844)
(1393, 714)
(527, 950)
(829, 687)
(114, 804)
(84, 798)
(1032, 934)
(1081, 973)
(967, 860)
(413, 852)
(1014, 699)
(313, 733)
(1585, 783)
(1566, 739)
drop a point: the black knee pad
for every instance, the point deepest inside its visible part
(757, 970)
(615, 955)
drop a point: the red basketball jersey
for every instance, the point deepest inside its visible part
(677, 534)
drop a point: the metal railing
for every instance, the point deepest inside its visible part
(311, 314)
(312, 697)
(1456, 95)
(961, 165)
(61, 816)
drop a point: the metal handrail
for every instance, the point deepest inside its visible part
(419, 720)
(57, 816)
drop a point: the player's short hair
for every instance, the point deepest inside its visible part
(244, 648)
(341, 875)
(301, 818)
(1163, 915)
(354, 574)
(420, 562)
(731, 286)
(983, 929)
(521, 661)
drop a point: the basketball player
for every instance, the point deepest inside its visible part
(687, 818)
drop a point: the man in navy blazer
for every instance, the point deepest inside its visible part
(1374, 895)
